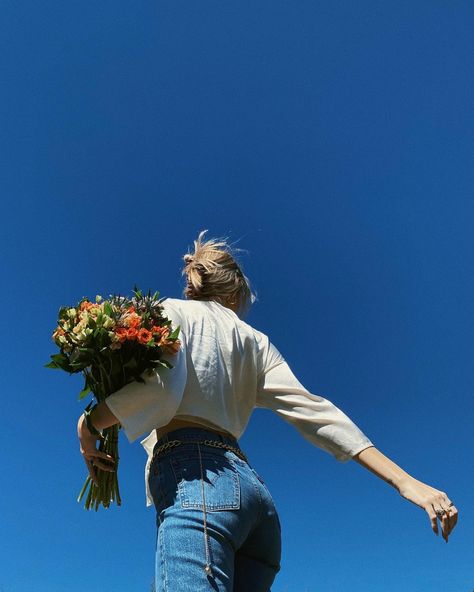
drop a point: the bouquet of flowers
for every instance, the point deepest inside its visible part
(112, 342)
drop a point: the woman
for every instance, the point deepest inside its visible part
(217, 526)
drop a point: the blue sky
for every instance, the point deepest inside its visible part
(333, 141)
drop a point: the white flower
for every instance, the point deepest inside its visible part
(84, 334)
(107, 322)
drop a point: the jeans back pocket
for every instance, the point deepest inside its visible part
(219, 486)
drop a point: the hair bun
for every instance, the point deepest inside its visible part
(212, 273)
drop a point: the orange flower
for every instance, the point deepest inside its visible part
(85, 305)
(59, 331)
(164, 335)
(131, 309)
(144, 336)
(132, 334)
(157, 330)
(171, 347)
(133, 320)
(121, 333)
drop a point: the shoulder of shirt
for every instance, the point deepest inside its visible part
(262, 338)
(184, 305)
(269, 354)
(170, 302)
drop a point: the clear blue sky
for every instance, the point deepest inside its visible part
(333, 140)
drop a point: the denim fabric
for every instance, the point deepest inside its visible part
(243, 542)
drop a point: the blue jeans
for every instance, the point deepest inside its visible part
(232, 542)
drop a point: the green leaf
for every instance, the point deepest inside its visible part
(76, 356)
(53, 365)
(175, 333)
(84, 393)
(89, 350)
(164, 363)
(77, 366)
(61, 361)
(63, 312)
(108, 309)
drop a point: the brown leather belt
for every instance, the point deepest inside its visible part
(214, 443)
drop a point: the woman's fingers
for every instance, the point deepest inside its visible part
(448, 516)
(452, 518)
(98, 460)
(90, 468)
(95, 459)
(102, 465)
(436, 504)
(445, 526)
(455, 514)
(452, 512)
(433, 519)
(104, 455)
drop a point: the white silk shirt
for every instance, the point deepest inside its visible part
(225, 368)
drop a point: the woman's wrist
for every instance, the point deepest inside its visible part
(372, 459)
(83, 431)
(89, 421)
(102, 417)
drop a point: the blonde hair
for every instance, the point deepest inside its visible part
(212, 273)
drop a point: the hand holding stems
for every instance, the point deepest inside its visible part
(428, 498)
(102, 418)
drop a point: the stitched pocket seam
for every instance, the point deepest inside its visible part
(183, 488)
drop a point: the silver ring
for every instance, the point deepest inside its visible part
(440, 513)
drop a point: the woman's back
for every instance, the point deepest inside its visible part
(220, 364)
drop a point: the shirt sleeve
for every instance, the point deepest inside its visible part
(317, 419)
(142, 407)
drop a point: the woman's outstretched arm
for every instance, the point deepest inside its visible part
(421, 494)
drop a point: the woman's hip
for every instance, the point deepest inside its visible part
(193, 470)
(213, 507)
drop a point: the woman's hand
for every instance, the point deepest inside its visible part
(432, 501)
(424, 496)
(94, 459)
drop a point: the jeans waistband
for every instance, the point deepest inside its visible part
(193, 434)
